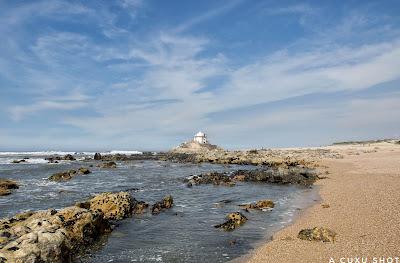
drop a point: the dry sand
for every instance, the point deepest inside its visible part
(363, 191)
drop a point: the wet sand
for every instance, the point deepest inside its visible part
(363, 192)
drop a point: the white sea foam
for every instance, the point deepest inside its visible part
(27, 161)
(40, 153)
(47, 153)
(123, 152)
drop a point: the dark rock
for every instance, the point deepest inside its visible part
(53, 159)
(262, 204)
(69, 157)
(317, 234)
(139, 207)
(63, 176)
(290, 175)
(235, 220)
(166, 203)
(6, 186)
(232, 242)
(83, 170)
(108, 165)
(97, 156)
(19, 161)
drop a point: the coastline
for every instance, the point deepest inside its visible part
(361, 192)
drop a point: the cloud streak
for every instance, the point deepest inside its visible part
(170, 82)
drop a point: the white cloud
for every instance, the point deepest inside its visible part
(19, 112)
(302, 9)
(207, 16)
(164, 84)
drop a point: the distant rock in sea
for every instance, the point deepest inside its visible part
(199, 143)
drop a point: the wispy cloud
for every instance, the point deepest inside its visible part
(207, 16)
(302, 9)
(69, 103)
(167, 82)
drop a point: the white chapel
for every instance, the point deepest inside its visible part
(200, 137)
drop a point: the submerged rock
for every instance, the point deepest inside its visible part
(166, 203)
(56, 236)
(108, 165)
(83, 170)
(6, 186)
(262, 204)
(321, 234)
(235, 220)
(139, 207)
(19, 161)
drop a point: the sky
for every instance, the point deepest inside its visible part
(147, 75)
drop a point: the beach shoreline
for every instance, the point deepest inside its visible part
(360, 190)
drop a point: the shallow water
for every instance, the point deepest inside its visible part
(184, 233)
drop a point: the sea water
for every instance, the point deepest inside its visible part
(184, 233)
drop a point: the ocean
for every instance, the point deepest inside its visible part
(184, 233)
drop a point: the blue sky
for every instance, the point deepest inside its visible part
(137, 74)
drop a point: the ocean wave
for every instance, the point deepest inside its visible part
(47, 153)
(123, 152)
(27, 161)
(40, 153)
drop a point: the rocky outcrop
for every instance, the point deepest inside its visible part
(195, 147)
(234, 220)
(139, 207)
(83, 170)
(131, 157)
(215, 178)
(262, 204)
(166, 203)
(56, 236)
(108, 165)
(19, 161)
(56, 158)
(320, 234)
(262, 157)
(115, 206)
(290, 175)
(97, 156)
(6, 186)
(68, 175)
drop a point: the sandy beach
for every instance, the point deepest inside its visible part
(363, 194)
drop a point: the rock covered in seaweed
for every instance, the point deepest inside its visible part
(234, 220)
(139, 207)
(166, 203)
(108, 165)
(262, 204)
(68, 175)
(115, 206)
(321, 234)
(6, 186)
(292, 175)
